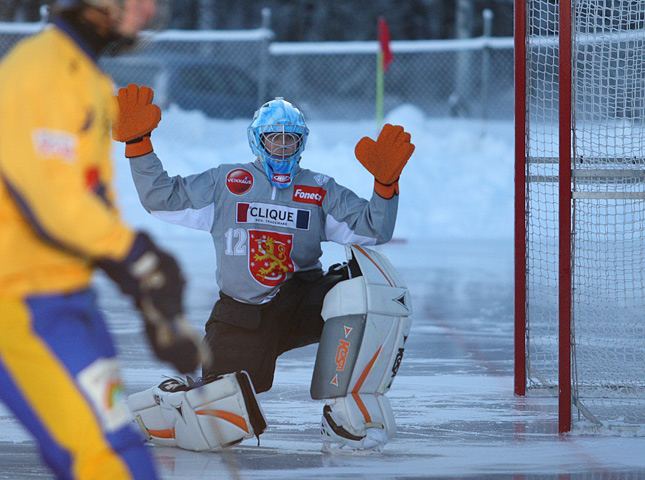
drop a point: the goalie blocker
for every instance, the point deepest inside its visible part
(197, 417)
(367, 321)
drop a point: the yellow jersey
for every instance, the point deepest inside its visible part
(57, 209)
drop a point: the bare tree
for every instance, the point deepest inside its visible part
(339, 20)
(184, 14)
(20, 10)
(8, 9)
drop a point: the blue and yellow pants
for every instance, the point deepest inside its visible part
(60, 378)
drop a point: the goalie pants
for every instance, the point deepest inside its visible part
(251, 337)
(60, 378)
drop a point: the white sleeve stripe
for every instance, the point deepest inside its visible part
(340, 232)
(199, 219)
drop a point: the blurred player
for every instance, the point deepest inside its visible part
(58, 370)
(268, 219)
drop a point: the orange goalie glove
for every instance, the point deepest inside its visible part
(137, 118)
(385, 158)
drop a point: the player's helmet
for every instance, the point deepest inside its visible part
(277, 135)
(158, 22)
(71, 4)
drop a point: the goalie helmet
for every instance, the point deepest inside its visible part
(277, 135)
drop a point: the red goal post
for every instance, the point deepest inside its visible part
(580, 209)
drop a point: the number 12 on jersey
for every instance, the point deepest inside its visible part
(237, 236)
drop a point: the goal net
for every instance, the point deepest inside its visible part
(580, 220)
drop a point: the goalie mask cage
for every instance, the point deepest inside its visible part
(580, 208)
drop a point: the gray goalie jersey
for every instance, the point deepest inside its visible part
(262, 234)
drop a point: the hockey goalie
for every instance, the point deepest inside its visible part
(267, 219)
(367, 321)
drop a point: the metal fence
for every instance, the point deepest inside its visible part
(228, 74)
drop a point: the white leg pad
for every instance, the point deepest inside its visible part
(208, 417)
(148, 414)
(357, 422)
(367, 322)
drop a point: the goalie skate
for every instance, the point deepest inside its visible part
(337, 438)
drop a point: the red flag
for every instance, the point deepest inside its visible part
(384, 41)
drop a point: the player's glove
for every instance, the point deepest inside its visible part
(385, 158)
(138, 117)
(153, 279)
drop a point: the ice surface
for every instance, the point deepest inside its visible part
(453, 397)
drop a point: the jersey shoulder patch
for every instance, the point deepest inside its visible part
(313, 195)
(239, 181)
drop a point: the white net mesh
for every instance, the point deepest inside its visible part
(542, 194)
(609, 209)
(608, 294)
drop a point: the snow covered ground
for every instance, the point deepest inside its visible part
(453, 397)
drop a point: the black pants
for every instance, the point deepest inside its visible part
(251, 337)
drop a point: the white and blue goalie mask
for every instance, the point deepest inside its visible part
(277, 135)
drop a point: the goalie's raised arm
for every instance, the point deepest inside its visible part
(385, 158)
(138, 117)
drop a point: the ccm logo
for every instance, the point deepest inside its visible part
(306, 194)
(282, 178)
(341, 355)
